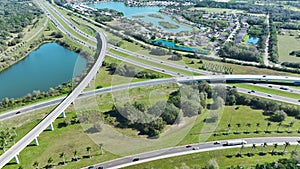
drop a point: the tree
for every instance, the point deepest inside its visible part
(290, 126)
(278, 116)
(88, 149)
(248, 126)
(275, 146)
(268, 125)
(238, 126)
(285, 146)
(218, 103)
(101, 148)
(240, 152)
(62, 156)
(36, 164)
(279, 124)
(75, 152)
(250, 152)
(257, 125)
(295, 150)
(50, 160)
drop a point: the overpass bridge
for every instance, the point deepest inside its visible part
(47, 121)
(243, 78)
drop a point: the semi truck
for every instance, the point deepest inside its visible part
(235, 142)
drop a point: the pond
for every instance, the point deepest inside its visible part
(172, 45)
(252, 40)
(143, 14)
(48, 66)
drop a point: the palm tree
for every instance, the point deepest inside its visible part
(240, 153)
(88, 149)
(298, 141)
(36, 164)
(50, 160)
(290, 125)
(285, 146)
(268, 125)
(248, 125)
(62, 155)
(250, 152)
(257, 125)
(279, 124)
(14, 129)
(75, 155)
(228, 127)
(238, 126)
(275, 146)
(263, 148)
(101, 148)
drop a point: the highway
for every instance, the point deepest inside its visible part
(183, 150)
(34, 133)
(216, 79)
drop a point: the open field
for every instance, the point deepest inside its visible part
(216, 10)
(243, 115)
(188, 131)
(224, 158)
(152, 63)
(287, 44)
(104, 78)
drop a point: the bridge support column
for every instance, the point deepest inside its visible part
(63, 114)
(36, 141)
(16, 159)
(51, 127)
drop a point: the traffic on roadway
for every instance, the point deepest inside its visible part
(189, 149)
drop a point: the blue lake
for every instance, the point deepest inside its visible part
(172, 45)
(142, 11)
(252, 40)
(48, 66)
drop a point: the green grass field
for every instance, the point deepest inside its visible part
(287, 44)
(153, 63)
(224, 158)
(190, 130)
(216, 10)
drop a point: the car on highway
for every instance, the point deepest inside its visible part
(90, 167)
(253, 91)
(196, 148)
(18, 112)
(136, 159)
(217, 142)
(269, 95)
(188, 146)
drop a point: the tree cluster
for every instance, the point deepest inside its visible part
(130, 71)
(240, 52)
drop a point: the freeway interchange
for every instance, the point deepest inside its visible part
(179, 78)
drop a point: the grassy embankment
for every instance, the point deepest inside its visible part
(287, 44)
(190, 130)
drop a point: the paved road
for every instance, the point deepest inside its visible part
(279, 87)
(34, 133)
(266, 52)
(182, 150)
(213, 79)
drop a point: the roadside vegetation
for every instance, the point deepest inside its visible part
(257, 157)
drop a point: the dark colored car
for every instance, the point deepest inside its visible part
(188, 146)
(136, 159)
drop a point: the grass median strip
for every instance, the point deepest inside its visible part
(268, 90)
(153, 63)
